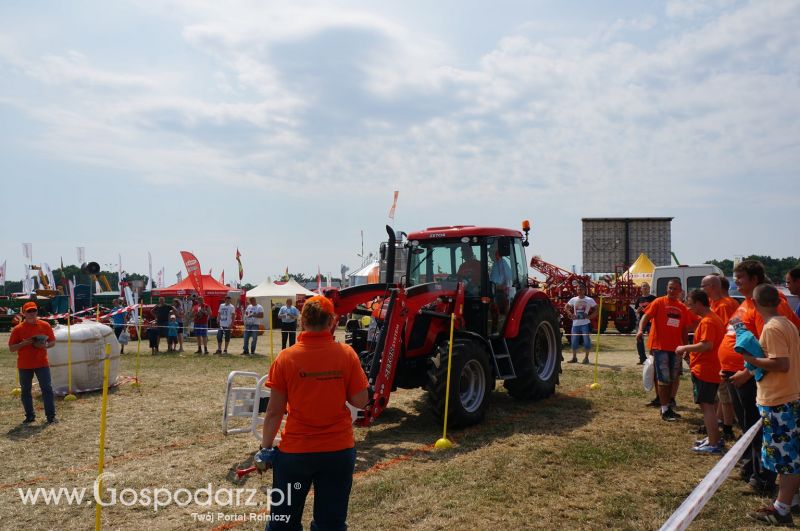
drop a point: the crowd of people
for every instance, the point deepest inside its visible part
(745, 364)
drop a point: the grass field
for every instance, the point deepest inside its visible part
(583, 459)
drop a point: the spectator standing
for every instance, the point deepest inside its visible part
(288, 316)
(201, 312)
(641, 305)
(161, 312)
(670, 321)
(793, 284)
(469, 272)
(314, 378)
(705, 368)
(581, 309)
(225, 316)
(179, 311)
(778, 399)
(252, 322)
(172, 333)
(749, 274)
(30, 339)
(118, 319)
(502, 280)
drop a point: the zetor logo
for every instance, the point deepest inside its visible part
(390, 355)
(438, 235)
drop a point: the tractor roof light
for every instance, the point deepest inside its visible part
(526, 228)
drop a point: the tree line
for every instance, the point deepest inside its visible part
(776, 268)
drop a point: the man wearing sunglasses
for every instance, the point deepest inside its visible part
(31, 339)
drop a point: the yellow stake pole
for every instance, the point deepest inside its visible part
(17, 390)
(271, 326)
(69, 396)
(138, 343)
(98, 313)
(98, 508)
(596, 385)
(444, 443)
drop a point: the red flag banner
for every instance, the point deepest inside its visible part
(239, 259)
(394, 204)
(193, 269)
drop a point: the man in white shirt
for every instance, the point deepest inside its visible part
(225, 316)
(502, 279)
(252, 321)
(581, 310)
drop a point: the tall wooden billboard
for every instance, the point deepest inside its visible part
(613, 243)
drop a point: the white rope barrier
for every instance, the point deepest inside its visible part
(691, 506)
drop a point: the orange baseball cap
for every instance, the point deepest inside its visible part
(28, 306)
(324, 302)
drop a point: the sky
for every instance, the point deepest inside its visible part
(283, 128)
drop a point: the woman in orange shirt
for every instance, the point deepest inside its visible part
(313, 378)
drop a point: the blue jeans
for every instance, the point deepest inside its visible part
(579, 331)
(25, 385)
(250, 331)
(331, 473)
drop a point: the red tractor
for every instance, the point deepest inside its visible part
(504, 328)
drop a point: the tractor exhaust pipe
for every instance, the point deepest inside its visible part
(390, 252)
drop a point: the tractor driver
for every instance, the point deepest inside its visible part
(470, 271)
(502, 280)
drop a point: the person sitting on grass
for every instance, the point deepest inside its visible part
(778, 400)
(705, 368)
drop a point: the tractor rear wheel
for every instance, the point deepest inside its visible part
(536, 353)
(626, 325)
(470, 383)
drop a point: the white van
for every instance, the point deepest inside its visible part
(689, 275)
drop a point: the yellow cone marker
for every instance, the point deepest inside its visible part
(596, 385)
(444, 443)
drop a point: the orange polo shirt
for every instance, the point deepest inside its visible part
(705, 365)
(30, 357)
(747, 313)
(318, 375)
(669, 321)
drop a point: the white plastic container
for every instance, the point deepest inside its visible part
(88, 349)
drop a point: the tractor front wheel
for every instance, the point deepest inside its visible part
(470, 377)
(627, 324)
(536, 353)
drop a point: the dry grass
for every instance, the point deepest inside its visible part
(580, 460)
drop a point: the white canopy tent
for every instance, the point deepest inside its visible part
(270, 290)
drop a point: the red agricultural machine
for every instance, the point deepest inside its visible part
(618, 294)
(505, 328)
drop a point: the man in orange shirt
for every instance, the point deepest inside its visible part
(670, 321)
(748, 274)
(31, 339)
(705, 368)
(314, 378)
(716, 287)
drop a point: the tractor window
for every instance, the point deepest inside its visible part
(518, 264)
(433, 262)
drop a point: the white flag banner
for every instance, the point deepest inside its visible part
(72, 296)
(119, 277)
(136, 306)
(129, 299)
(149, 272)
(3, 273)
(179, 275)
(27, 284)
(160, 278)
(97, 287)
(329, 280)
(81, 255)
(50, 278)
(27, 251)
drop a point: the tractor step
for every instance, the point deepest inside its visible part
(502, 359)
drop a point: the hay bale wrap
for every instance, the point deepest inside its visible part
(88, 349)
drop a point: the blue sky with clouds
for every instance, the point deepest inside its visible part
(283, 127)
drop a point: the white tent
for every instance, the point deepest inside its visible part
(270, 290)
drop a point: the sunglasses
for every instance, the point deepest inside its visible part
(31, 311)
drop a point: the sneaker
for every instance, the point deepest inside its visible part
(218, 351)
(586, 361)
(654, 403)
(708, 449)
(29, 420)
(701, 442)
(52, 420)
(675, 413)
(573, 360)
(206, 351)
(640, 362)
(198, 351)
(225, 351)
(770, 516)
(669, 416)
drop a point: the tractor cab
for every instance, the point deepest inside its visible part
(490, 262)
